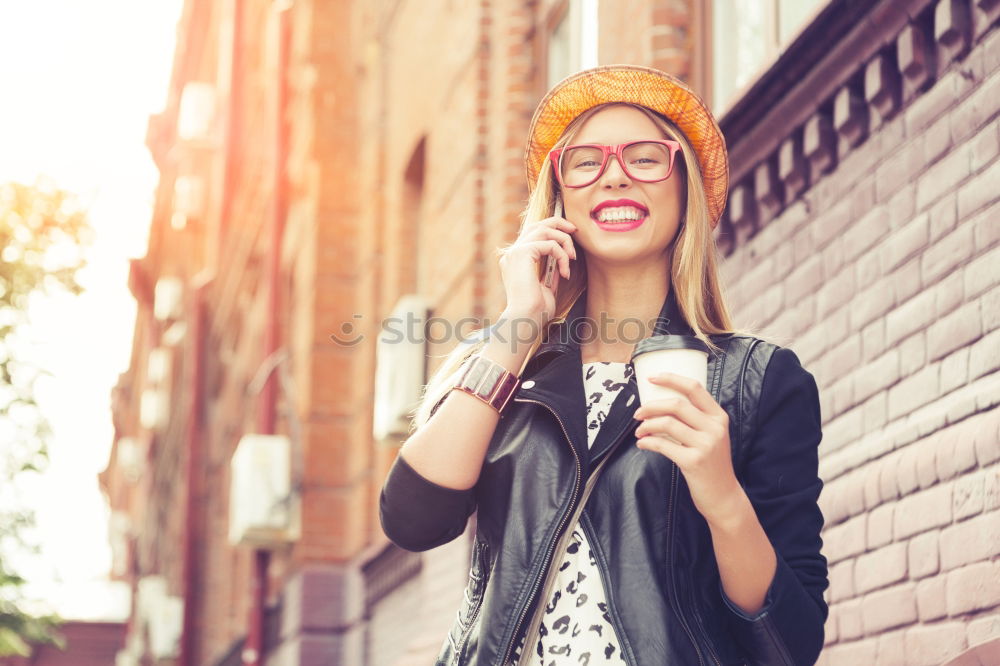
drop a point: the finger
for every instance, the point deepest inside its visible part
(562, 256)
(559, 221)
(546, 248)
(678, 409)
(679, 454)
(552, 223)
(555, 234)
(691, 389)
(543, 248)
(565, 224)
(674, 427)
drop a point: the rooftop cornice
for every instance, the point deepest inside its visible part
(848, 72)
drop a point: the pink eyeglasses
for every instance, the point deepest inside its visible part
(646, 161)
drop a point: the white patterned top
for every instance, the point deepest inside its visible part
(576, 627)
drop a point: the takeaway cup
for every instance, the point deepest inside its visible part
(680, 354)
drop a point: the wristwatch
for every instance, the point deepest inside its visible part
(487, 380)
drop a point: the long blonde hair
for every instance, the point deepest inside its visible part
(694, 270)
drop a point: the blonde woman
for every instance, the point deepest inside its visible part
(682, 531)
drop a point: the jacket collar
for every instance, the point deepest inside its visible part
(558, 381)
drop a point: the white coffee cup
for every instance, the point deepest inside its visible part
(683, 355)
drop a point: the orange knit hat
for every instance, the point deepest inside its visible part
(644, 86)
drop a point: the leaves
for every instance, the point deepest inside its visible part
(20, 630)
(43, 233)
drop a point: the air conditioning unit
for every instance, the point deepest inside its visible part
(261, 507)
(161, 617)
(130, 459)
(168, 298)
(174, 334)
(196, 118)
(164, 624)
(154, 409)
(126, 658)
(399, 368)
(148, 590)
(158, 365)
(189, 196)
(119, 532)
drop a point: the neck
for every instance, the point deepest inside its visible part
(623, 303)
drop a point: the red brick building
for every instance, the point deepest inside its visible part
(85, 644)
(320, 161)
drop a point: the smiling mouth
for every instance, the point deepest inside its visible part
(619, 214)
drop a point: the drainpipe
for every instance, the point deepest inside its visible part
(233, 123)
(195, 394)
(255, 649)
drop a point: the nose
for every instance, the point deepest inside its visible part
(614, 175)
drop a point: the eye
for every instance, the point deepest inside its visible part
(582, 157)
(647, 155)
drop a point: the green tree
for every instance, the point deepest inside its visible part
(43, 232)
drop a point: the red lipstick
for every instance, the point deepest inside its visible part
(619, 225)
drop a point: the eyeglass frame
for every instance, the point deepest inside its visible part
(555, 155)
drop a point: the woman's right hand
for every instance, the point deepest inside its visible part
(527, 295)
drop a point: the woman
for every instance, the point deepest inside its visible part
(683, 531)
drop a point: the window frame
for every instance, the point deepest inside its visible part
(551, 17)
(703, 67)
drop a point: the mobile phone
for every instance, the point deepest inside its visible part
(550, 265)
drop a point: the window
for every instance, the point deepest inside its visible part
(410, 278)
(573, 41)
(747, 37)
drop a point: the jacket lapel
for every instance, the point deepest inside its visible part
(558, 382)
(559, 386)
(669, 322)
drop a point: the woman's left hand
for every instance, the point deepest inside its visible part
(700, 427)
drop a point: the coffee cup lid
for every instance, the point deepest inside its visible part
(661, 342)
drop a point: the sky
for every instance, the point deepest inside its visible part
(80, 80)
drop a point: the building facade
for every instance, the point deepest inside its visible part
(326, 166)
(83, 644)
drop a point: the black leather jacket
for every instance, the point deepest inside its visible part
(653, 547)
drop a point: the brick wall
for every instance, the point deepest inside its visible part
(86, 644)
(655, 33)
(882, 278)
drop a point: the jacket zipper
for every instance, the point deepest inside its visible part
(701, 625)
(614, 623)
(673, 580)
(479, 604)
(548, 555)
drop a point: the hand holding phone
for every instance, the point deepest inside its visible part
(529, 266)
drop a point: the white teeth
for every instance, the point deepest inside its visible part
(619, 214)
